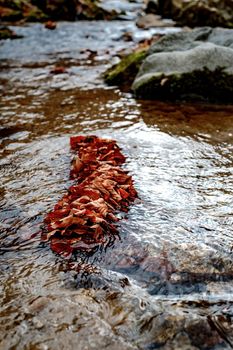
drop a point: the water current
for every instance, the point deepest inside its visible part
(167, 280)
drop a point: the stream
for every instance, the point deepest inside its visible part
(167, 280)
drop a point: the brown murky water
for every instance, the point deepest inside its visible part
(167, 282)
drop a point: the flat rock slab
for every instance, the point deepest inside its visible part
(152, 21)
(189, 65)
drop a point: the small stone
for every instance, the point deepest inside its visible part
(58, 70)
(150, 21)
(37, 323)
(50, 25)
(38, 304)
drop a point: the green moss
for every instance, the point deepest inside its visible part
(35, 15)
(18, 9)
(13, 4)
(40, 10)
(204, 85)
(125, 71)
(7, 33)
(8, 14)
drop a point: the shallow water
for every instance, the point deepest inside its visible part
(166, 282)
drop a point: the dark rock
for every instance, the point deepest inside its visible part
(42, 10)
(152, 6)
(159, 265)
(167, 288)
(89, 9)
(198, 12)
(32, 13)
(9, 14)
(170, 8)
(127, 36)
(104, 280)
(7, 33)
(16, 10)
(202, 335)
(60, 9)
(50, 25)
(9, 130)
(207, 13)
(58, 70)
(192, 65)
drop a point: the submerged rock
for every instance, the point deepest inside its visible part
(50, 25)
(191, 65)
(58, 70)
(7, 33)
(151, 21)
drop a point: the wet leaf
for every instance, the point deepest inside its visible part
(82, 219)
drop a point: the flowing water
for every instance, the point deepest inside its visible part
(167, 280)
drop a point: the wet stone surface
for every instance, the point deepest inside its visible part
(166, 281)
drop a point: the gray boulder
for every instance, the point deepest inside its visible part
(187, 40)
(189, 65)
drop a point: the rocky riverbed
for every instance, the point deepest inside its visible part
(166, 281)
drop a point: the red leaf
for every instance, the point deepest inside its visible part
(82, 218)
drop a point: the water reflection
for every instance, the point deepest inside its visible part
(208, 123)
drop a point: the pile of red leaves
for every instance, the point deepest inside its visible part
(85, 216)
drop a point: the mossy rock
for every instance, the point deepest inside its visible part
(125, 71)
(200, 85)
(211, 13)
(9, 14)
(204, 72)
(197, 13)
(13, 4)
(21, 9)
(7, 33)
(11, 10)
(41, 10)
(59, 9)
(33, 14)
